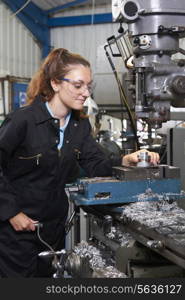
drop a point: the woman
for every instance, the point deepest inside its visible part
(39, 146)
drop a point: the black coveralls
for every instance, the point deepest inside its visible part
(32, 179)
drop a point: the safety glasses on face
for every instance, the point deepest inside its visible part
(78, 86)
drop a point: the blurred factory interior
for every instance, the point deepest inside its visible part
(133, 224)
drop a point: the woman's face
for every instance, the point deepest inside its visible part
(75, 87)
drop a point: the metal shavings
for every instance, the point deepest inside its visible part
(93, 254)
(97, 263)
(122, 237)
(154, 214)
(109, 272)
(149, 194)
(181, 219)
(163, 196)
(112, 233)
(178, 228)
(178, 239)
(164, 230)
(125, 240)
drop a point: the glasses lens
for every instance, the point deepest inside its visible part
(78, 86)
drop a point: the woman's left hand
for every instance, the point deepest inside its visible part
(132, 159)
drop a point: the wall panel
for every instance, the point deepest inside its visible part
(19, 53)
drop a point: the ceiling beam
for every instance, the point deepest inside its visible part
(35, 19)
(80, 20)
(64, 6)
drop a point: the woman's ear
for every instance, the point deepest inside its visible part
(54, 85)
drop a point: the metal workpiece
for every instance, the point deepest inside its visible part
(143, 159)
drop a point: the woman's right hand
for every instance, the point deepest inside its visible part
(22, 222)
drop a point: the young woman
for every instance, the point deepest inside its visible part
(39, 146)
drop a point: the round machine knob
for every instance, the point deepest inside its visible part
(129, 10)
(178, 84)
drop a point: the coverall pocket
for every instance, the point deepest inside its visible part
(34, 158)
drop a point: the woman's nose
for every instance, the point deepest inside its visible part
(86, 92)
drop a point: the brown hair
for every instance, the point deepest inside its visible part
(56, 65)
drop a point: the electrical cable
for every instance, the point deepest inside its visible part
(21, 8)
(123, 97)
(3, 98)
(91, 30)
(163, 154)
(92, 13)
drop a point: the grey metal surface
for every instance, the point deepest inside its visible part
(158, 172)
(155, 28)
(176, 150)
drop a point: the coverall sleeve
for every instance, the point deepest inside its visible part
(10, 138)
(93, 160)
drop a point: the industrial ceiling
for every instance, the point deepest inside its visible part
(39, 16)
(56, 5)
